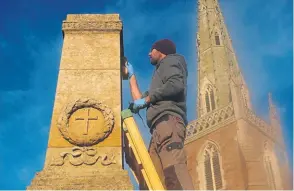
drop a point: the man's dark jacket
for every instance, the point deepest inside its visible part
(168, 89)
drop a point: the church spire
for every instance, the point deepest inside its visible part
(217, 63)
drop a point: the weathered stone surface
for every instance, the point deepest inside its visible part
(90, 68)
(96, 22)
(92, 51)
(85, 141)
(81, 179)
(92, 17)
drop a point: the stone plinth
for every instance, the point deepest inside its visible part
(77, 179)
(85, 140)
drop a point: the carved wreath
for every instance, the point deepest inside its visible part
(63, 122)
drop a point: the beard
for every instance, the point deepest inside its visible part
(153, 61)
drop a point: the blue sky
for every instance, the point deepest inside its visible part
(30, 49)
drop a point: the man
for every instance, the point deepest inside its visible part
(166, 113)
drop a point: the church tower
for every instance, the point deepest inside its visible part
(228, 146)
(217, 63)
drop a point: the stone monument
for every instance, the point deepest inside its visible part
(85, 141)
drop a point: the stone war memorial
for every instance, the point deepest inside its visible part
(85, 142)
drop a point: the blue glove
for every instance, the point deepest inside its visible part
(130, 70)
(139, 104)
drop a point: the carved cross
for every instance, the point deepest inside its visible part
(87, 119)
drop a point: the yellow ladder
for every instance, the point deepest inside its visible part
(137, 156)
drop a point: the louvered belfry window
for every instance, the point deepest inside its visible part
(213, 176)
(207, 102)
(208, 172)
(217, 39)
(212, 99)
(230, 96)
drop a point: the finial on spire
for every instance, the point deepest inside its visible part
(270, 100)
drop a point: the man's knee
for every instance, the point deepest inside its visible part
(178, 178)
(171, 179)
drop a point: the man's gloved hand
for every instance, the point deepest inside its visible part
(139, 104)
(130, 70)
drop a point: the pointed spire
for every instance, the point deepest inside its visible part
(216, 57)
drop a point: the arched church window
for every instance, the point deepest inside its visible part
(230, 96)
(217, 39)
(212, 168)
(210, 99)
